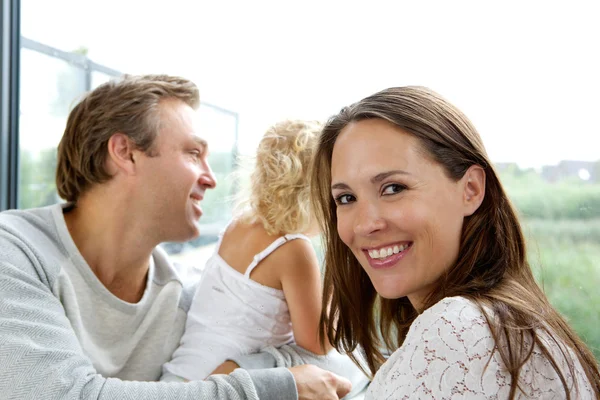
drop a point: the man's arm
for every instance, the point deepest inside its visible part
(41, 358)
(292, 356)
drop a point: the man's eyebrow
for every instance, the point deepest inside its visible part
(201, 142)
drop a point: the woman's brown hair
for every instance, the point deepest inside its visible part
(491, 269)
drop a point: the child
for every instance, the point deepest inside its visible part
(262, 286)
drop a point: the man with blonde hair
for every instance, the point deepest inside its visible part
(90, 307)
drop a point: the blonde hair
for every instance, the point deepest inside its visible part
(279, 192)
(129, 105)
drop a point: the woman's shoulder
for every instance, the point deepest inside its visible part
(455, 320)
(449, 343)
(450, 349)
(452, 312)
(454, 326)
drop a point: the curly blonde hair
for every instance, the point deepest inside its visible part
(279, 192)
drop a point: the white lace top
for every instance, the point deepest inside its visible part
(445, 354)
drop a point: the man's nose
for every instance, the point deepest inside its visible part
(207, 177)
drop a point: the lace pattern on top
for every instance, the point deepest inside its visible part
(445, 355)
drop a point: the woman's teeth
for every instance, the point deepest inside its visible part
(386, 252)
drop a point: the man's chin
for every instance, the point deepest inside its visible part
(195, 232)
(192, 233)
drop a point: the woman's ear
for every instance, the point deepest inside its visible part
(120, 154)
(474, 189)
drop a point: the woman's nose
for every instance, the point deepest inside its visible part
(369, 220)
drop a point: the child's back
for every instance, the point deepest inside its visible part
(262, 285)
(243, 241)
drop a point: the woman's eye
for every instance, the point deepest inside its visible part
(344, 199)
(393, 189)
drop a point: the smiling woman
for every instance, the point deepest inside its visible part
(398, 207)
(421, 237)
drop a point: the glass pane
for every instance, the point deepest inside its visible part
(531, 92)
(49, 88)
(98, 78)
(66, 25)
(47, 95)
(219, 128)
(559, 207)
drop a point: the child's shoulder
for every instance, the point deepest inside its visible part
(295, 259)
(247, 237)
(294, 252)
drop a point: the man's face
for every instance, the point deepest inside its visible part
(173, 182)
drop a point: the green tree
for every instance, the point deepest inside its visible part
(36, 178)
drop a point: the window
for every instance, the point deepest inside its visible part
(49, 87)
(560, 215)
(525, 72)
(52, 80)
(219, 127)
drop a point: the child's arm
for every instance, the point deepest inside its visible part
(301, 282)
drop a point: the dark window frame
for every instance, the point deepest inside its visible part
(10, 49)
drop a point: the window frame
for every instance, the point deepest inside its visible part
(10, 64)
(10, 74)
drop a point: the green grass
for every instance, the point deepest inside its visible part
(565, 257)
(562, 224)
(546, 232)
(567, 199)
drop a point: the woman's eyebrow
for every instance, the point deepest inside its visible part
(376, 179)
(379, 177)
(340, 185)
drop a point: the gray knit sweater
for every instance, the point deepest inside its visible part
(63, 335)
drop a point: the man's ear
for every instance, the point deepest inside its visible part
(121, 151)
(474, 189)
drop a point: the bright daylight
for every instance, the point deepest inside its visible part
(126, 232)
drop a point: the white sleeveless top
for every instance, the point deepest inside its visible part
(231, 315)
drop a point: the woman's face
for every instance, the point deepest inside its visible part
(397, 210)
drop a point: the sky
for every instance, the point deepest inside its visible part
(524, 72)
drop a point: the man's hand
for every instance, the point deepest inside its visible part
(314, 383)
(226, 368)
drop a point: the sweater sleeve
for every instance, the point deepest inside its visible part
(41, 357)
(293, 355)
